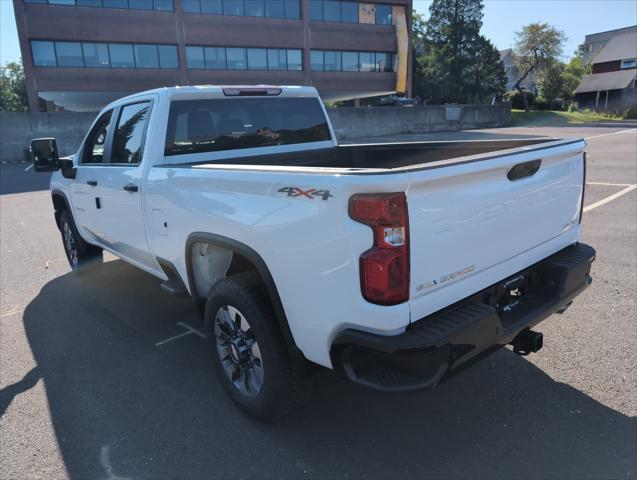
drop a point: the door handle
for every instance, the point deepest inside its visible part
(131, 187)
(92, 183)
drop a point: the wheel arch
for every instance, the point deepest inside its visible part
(60, 203)
(242, 251)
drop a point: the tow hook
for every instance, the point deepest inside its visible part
(527, 341)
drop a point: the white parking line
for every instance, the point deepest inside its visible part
(28, 168)
(189, 330)
(12, 312)
(610, 184)
(613, 133)
(610, 198)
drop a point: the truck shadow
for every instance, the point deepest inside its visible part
(123, 407)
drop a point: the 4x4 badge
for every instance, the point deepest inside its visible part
(310, 193)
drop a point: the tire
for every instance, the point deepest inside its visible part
(78, 252)
(249, 354)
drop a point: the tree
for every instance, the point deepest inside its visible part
(13, 92)
(485, 71)
(536, 46)
(550, 82)
(453, 62)
(573, 72)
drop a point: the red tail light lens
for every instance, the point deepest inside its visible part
(384, 268)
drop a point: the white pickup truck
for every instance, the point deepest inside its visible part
(395, 264)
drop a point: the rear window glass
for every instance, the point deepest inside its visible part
(196, 126)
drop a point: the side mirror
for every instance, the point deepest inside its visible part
(44, 154)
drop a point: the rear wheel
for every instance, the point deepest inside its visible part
(78, 252)
(249, 353)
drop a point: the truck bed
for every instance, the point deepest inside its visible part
(381, 155)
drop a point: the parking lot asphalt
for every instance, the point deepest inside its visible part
(88, 389)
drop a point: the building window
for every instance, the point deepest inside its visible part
(43, 53)
(122, 55)
(350, 61)
(290, 9)
(95, 55)
(277, 59)
(69, 54)
(333, 61)
(629, 64)
(316, 10)
(347, 12)
(383, 15)
(102, 55)
(235, 58)
(257, 59)
(146, 56)
(233, 7)
(158, 5)
(215, 58)
(195, 58)
(168, 57)
(317, 60)
(295, 60)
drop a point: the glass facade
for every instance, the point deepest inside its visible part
(347, 12)
(157, 5)
(336, 61)
(49, 53)
(237, 58)
(290, 9)
(342, 11)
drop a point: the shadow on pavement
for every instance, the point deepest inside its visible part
(123, 407)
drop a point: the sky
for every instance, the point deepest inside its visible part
(502, 18)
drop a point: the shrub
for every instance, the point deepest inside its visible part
(517, 102)
(630, 113)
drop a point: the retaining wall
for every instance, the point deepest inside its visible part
(17, 129)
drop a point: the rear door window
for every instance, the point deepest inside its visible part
(196, 126)
(128, 137)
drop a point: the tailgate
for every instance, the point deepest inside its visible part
(471, 226)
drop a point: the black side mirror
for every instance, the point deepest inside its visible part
(44, 154)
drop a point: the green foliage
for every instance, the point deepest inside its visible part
(13, 92)
(537, 45)
(550, 83)
(546, 118)
(517, 102)
(630, 113)
(453, 63)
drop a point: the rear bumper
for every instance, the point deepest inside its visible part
(440, 345)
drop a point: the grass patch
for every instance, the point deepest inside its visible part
(551, 118)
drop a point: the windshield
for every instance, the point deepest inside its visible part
(196, 126)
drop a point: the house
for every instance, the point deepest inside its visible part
(595, 42)
(512, 73)
(611, 85)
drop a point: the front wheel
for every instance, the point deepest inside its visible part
(249, 353)
(78, 252)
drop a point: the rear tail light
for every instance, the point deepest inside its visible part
(384, 268)
(581, 209)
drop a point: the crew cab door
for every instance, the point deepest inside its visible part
(115, 219)
(83, 188)
(120, 222)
